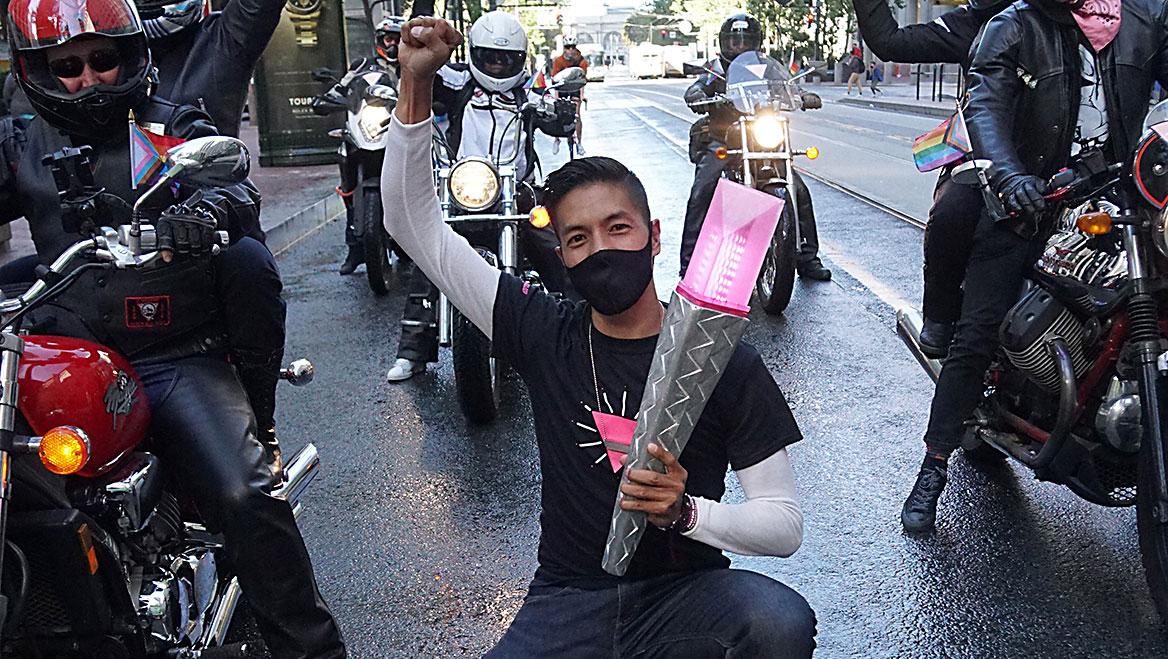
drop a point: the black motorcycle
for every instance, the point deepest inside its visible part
(1077, 391)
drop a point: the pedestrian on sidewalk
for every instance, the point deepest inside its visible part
(855, 64)
(875, 77)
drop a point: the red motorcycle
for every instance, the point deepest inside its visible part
(1077, 392)
(103, 557)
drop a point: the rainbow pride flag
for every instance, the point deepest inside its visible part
(146, 149)
(942, 145)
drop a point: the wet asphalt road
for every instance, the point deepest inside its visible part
(423, 529)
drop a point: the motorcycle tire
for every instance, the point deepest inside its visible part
(1153, 534)
(476, 372)
(375, 242)
(776, 280)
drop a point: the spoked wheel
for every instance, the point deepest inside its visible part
(1153, 533)
(375, 241)
(776, 280)
(476, 372)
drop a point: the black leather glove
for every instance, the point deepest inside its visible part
(188, 227)
(693, 95)
(1022, 194)
(811, 101)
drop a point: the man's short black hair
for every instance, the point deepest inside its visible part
(586, 171)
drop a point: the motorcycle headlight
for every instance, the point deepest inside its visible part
(474, 184)
(372, 121)
(769, 131)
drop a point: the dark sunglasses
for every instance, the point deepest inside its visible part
(100, 61)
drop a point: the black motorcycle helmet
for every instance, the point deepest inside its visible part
(92, 113)
(740, 33)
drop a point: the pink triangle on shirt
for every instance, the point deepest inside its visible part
(615, 430)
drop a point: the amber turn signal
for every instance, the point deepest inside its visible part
(812, 153)
(721, 153)
(1094, 223)
(540, 217)
(64, 450)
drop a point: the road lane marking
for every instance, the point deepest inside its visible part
(861, 274)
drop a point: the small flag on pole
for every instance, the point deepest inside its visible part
(146, 149)
(942, 145)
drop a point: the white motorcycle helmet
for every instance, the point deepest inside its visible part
(498, 50)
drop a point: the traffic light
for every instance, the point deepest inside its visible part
(810, 19)
(663, 33)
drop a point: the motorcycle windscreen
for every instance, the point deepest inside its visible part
(753, 80)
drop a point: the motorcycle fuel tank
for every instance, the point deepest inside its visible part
(70, 382)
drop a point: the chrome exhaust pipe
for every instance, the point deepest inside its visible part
(217, 630)
(298, 474)
(908, 326)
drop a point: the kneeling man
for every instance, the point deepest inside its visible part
(589, 362)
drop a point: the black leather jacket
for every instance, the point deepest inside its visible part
(946, 39)
(97, 304)
(210, 65)
(1024, 85)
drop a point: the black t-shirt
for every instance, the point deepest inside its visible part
(745, 421)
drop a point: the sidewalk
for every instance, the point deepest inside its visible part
(296, 200)
(896, 96)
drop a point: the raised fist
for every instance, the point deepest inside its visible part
(426, 45)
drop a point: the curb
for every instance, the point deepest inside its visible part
(301, 224)
(922, 110)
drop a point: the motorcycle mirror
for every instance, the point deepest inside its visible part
(323, 74)
(969, 173)
(208, 161)
(571, 79)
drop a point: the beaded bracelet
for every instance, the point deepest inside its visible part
(688, 518)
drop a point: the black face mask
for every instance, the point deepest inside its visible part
(612, 280)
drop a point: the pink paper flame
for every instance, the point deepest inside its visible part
(731, 247)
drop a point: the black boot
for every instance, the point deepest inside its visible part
(259, 372)
(355, 258)
(935, 338)
(814, 270)
(920, 509)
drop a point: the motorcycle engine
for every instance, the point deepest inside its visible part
(1118, 418)
(174, 602)
(1035, 320)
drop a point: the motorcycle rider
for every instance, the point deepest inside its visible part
(740, 33)
(569, 58)
(205, 59)
(1048, 79)
(387, 35)
(956, 208)
(482, 101)
(84, 68)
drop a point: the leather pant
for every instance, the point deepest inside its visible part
(948, 241)
(709, 169)
(204, 430)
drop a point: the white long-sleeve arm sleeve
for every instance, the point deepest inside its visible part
(768, 523)
(414, 219)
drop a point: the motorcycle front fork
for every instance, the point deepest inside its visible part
(508, 262)
(1144, 337)
(11, 348)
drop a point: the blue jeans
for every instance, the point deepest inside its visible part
(693, 615)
